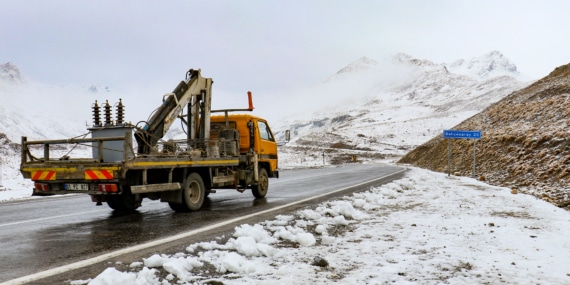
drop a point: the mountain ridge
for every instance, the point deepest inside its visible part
(370, 114)
(379, 119)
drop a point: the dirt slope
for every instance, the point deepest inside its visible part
(525, 143)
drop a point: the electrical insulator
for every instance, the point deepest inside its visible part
(120, 112)
(108, 120)
(96, 115)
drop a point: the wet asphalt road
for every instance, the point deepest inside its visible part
(44, 233)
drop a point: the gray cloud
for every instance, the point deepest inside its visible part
(268, 47)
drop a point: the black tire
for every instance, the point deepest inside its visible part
(177, 207)
(260, 190)
(124, 202)
(114, 202)
(194, 192)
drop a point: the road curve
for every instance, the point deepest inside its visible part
(44, 236)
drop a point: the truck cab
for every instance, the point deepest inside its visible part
(254, 135)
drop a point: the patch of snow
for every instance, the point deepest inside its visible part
(426, 228)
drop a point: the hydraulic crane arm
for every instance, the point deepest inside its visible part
(196, 92)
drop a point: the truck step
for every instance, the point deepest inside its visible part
(155, 188)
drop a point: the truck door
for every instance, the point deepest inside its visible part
(267, 146)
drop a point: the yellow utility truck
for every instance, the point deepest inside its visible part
(226, 151)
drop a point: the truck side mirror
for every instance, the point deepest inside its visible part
(287, 135)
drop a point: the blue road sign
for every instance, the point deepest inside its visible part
(456, 134)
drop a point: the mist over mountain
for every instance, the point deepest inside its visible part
(361, 64)
(374, 108)
(10, 74)
(43, 111)
(40, 111)
(393, 105)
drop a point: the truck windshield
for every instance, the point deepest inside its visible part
(264, 131)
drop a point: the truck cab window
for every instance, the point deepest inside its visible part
(264, 131)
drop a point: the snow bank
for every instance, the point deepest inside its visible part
(426, 228)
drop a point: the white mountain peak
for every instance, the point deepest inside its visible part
(9, 73)
(492, 64)
(361, 64)
(408, 59)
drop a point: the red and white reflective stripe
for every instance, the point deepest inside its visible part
(101, 174)
(41, 186)
(43, 175)
(109, 188)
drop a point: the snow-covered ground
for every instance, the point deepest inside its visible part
(426, 228)
(386, 107)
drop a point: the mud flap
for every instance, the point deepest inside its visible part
(255, 168)
(171, 196)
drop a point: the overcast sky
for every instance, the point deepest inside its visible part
(266, 46)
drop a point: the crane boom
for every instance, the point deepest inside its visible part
(236, 151)
(194, 92)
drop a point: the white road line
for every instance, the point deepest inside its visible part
(104, 257)
(332, 172)
(284, 180)
(47, 218)
(69, 215)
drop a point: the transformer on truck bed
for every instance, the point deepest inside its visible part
(226, 151)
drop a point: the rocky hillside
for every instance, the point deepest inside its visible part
(525, 142)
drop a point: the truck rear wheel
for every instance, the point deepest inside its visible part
(177, 207)
(123, 202)
(193, 194)
(260, 190)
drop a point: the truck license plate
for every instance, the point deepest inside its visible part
(77, 186)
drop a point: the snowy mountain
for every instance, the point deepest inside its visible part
(10, 74)
(369, 108)
(388, 107)
(39, 111)
(42, 111)
(362, 64)
(492, 64)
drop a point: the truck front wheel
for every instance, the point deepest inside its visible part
(260, 190)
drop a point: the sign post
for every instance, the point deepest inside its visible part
(2, 188)
(457, 134)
